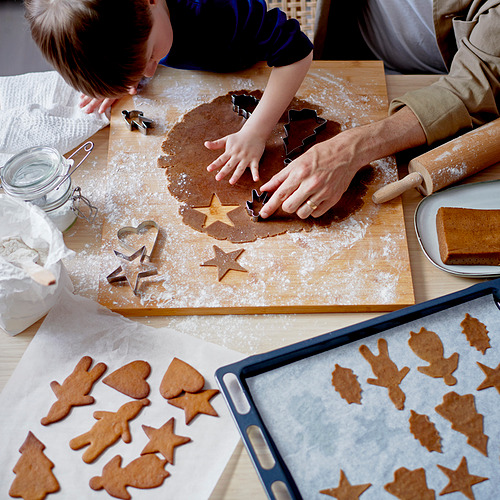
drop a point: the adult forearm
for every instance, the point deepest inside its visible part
(396, 133)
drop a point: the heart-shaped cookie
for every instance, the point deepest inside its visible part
(145, 234)
(130, 379)
(180, 377)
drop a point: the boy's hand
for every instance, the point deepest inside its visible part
(91, 104)
(242, 150)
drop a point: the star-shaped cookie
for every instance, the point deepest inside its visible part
(216, 211)
(461, 480)
(225, 261)
(196, 403)
(345, 490)
(492, 377)
(132, 269)
(163, 440)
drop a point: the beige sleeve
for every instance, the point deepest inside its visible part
(470, 94)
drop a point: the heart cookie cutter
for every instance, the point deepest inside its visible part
(148, 230)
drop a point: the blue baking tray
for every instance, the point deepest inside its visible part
(233, 380)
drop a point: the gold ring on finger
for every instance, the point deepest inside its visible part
(311, 205)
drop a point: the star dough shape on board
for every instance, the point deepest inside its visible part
(345, 490)
(163, 440)
(225, 261)
(216, 212)
(461, 480)
(132, 269)
(195, 403)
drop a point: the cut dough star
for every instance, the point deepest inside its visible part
(492, 377)
(194, 403)
(216, 211)
(132, 269)
(163, 440)
(225, 261)
(345, 490)
(461, 480)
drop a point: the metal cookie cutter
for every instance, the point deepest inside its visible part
(132, 269)
(255, 206)
(136, 119)
(244, 104)
(295, 115)
(146, 232)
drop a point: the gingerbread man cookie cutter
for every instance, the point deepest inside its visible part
(136, 119)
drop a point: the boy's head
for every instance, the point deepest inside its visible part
(100, 47)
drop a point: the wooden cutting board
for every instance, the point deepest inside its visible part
(359, 264)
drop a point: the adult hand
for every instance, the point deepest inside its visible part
(314, 182)
(242, 150)
(323, 173)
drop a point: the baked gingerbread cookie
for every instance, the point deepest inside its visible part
(144, 472)
(163, 440)
(130, 379)
(110, 427)
(180, 377)
(194, 404)
(34, 477)
(74, 390)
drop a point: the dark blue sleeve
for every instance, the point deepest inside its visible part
(230, 35)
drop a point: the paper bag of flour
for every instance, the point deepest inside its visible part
(22, 300)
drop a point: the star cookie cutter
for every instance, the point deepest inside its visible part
(136, 119)
(295, 115)
(244, 104)
(255, 206)
(148, 230)
(132, 271)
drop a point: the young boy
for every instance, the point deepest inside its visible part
(104, 47)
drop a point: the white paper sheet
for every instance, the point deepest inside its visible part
(318, 433)
(76, 327)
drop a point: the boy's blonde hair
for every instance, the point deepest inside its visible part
(98, 46)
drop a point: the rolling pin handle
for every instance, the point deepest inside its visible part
(394, 189)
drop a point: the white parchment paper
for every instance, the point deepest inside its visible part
(75, 327)
(318, 433)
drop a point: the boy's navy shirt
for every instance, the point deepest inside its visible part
(231, 35)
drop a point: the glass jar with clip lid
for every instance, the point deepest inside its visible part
(42, 176)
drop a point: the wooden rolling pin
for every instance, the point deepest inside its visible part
(448, 163)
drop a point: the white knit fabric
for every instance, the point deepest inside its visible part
(41, 109)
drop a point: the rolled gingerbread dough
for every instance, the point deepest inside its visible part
(185, 159)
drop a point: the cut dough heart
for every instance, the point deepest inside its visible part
(131, 379)
(180, 377)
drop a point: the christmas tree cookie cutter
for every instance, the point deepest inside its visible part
(295, 115)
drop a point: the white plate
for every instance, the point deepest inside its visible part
(477, 195)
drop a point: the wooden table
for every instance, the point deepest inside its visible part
(239, 479)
